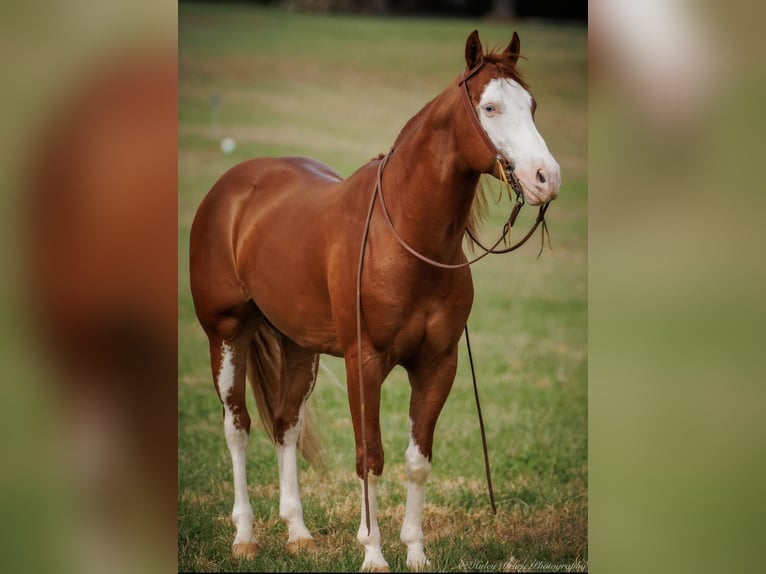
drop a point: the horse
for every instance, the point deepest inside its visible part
(277, 248)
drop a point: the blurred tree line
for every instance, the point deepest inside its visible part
(547, 9)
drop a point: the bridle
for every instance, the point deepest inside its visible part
(512, 182)
(506, 171)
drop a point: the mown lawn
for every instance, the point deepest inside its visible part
(339, 89)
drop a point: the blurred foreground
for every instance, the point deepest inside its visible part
(89, 287)
(676, 278)
(88, 293)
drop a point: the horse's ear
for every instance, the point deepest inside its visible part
(514, 48)
(473, 50)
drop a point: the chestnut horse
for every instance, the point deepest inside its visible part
(275, 252)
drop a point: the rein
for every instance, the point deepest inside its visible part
(378, 190)
(512, 182)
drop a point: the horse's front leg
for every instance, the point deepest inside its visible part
(373, 375)
(431, 381)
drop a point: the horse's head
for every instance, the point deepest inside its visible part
(506, 110)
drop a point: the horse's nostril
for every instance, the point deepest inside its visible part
(540, 176)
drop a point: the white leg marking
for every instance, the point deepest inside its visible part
(290, 509)
(418, 468)
(236, 439)
(373, 554)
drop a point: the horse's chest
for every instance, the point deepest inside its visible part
(408, 317)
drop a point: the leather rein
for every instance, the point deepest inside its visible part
(512, 182)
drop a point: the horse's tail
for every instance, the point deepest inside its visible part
(264, 371)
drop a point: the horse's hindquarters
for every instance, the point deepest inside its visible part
(264, 233)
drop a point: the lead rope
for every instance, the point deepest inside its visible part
(515, 185)
(481, 425)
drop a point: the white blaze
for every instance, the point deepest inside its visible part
(505, 113)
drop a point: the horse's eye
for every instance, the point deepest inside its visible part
(490, 108)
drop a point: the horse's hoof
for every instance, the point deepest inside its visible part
(377, 569)
(301, 544)
(245, 550)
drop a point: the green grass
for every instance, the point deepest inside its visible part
(339, 89)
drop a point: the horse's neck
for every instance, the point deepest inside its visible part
(428, 187)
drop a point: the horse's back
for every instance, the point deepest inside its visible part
(254, 181)
(279, 172)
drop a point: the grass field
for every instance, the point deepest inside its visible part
(339, 89)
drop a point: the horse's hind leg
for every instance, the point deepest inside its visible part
(298, 376)
(228, 360)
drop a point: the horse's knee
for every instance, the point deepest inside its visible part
(375, 460)
(417, 464)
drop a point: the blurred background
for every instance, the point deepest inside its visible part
(675, 282)
(88, 286)
(555, 10)
(676, 274)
